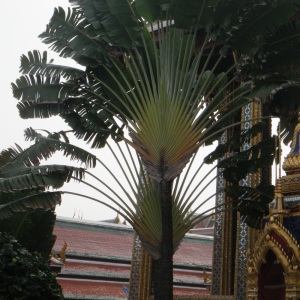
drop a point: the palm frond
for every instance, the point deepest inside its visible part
(254, 203)
(70, 35)
(30, 109)
(45, 201)
(190, 13)
(247, 31)
(114, 21)
(44, 176)
(41, 89)
(9, 154)
(42, 149)
(163, 110)
(35, 63)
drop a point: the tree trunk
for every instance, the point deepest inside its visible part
(164, 266)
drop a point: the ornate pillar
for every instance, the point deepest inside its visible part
(140, 275)
(216, 286)
(232, 236)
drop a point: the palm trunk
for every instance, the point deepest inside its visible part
(164, 266)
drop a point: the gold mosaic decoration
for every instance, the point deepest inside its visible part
(275, 236)
(266, 242)
(289, 261)
(62, 253)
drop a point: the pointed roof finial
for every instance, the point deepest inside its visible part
(291, 165)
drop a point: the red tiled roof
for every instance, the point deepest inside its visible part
(117, 241)
(94, 268)
(112, 289)
(88, 240)
(194, 253)
(98, 258)
(188, 275)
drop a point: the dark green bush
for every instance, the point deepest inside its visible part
(25, 275)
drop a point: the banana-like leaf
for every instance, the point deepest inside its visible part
(22, 159)
(35, 63)
(168, 86)
(9, 154)
(190, 13)
(70, 35)
(280, 50)
(114, 21)
(45, 201)
(40, 89)
(247, 31)
(40, 177)
(149, 10)
(254, 203)
(30, 109)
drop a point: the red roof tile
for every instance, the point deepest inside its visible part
(78, 287)
(93, 242)
(96, 268)
(85, 240)
(194, 253)
(117, 241)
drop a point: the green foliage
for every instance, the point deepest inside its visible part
(273, 69)
(28, 214)
(253, 203)
(32, 228)
(25, 275)
(238, 163)
(20, 170)
(249, 23)
(235, 164)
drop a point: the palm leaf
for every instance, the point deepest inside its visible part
(44, 148)
(258, 21)
(172, 94)
(39, 177)
(254, 203)
(35, 63)
(114, 21)
(40, 89)
(165, 109)
(190, 13)
(71, 36)
(45, 201)
(284, 39)
(30, 109)
(9, 154)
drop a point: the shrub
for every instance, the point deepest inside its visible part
(23, 274)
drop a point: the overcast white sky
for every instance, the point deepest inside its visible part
(20, 24)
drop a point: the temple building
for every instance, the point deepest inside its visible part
(273, 260)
